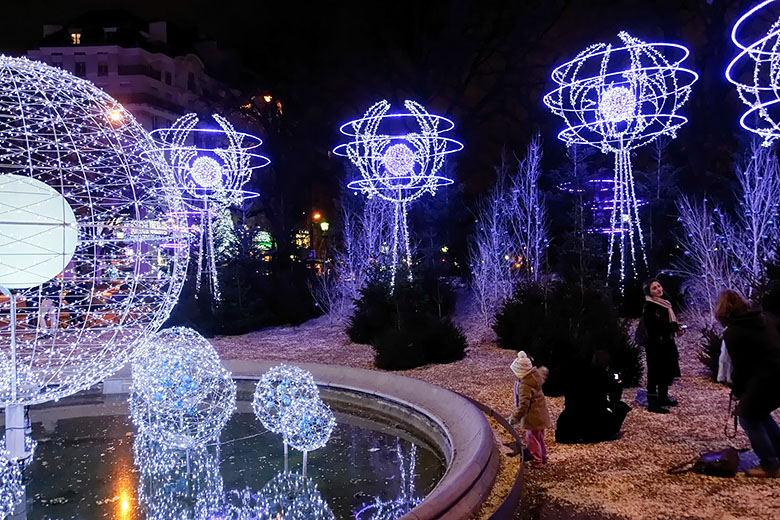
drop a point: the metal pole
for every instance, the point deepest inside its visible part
(14, 413)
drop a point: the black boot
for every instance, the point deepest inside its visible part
(653, 404)
(663, 396)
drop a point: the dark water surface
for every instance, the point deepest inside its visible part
(84, 468)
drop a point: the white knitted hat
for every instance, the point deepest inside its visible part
(521, 365)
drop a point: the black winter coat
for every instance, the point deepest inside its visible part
(753, 342)
(663, 363)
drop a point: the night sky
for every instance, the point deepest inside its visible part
(485, 65)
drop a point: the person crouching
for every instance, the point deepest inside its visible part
(531, 406)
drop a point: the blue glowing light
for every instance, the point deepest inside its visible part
(618, 99)
(399, 156)
(754, 71)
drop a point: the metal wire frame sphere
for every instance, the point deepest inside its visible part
(120, 283)
(308, 424)
(621, 97)
(181, 394)
(755, 71)
(280, 390)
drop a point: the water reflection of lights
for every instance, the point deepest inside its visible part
(11, 487)
(392, 509)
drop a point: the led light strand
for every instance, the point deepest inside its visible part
(210, 177)
(618, 109)
(758, 88)
(399, 156)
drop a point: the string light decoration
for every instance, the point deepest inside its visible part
(308, 425)
(399, 156)
(211, 167)
(182, 396)
(407, 497)
(279, 390)
(754, 71)
(177, 484)
(77, 166)
(11, 486)
(293, 495)
(598, 195)
(618, 98)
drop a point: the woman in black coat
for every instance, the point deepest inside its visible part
(663, 364)
(753, 342)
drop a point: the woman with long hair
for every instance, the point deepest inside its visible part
(663, 364)
(753, 342)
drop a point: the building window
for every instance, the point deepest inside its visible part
(190, 81)
(168, 78)
(75, 38)
(102, 68)
(81, 69)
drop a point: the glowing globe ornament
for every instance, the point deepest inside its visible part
(279, 390)
(78, 168)
(308, 425)
(181, 394)
(211, 167)
(176, 484)
(293, 495)
(755, 71)
(11, 485)
(618, 98)
(399, 156)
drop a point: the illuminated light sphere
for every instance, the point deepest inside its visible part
(308, 424)
(11, 485)
(755, 71)
(244, 504)
(619, 98)
(211, 167)
(177, 484)
(118, 283)
(38, 233)
(399, 156)
(399, 160)
(206, 172)
(617, 104)
(181, 394)
(279, 390)
(292, 495)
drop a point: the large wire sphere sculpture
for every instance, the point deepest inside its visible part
(176, 484)
(83, 196)
(618, 98)
(292, 495)
(756, 69)
(280, 390)
(308, 424)
(211, 167)
(181, 394)
(399, 156)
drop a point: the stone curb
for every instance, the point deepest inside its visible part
(472, 457)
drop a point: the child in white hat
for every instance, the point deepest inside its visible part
(531, 407)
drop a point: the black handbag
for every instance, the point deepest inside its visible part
(720, 463)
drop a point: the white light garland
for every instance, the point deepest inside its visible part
(618, 99)
(11, 486)
(756, 71)
(399, 156)
(292, 495)
(177, 484)
(181, 395)
(279, 390)
(115, 288)
(211, 167)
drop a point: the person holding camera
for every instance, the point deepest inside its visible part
(663, 364)
(593, 411)
(753, 342)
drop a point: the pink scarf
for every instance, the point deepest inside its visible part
(663, 303)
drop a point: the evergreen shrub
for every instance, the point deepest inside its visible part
(405, 327)
(561, 323)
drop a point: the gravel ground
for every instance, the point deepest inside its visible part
(622, 479)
